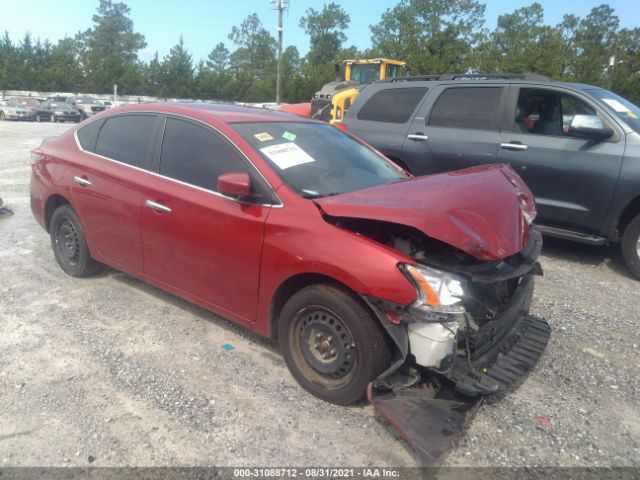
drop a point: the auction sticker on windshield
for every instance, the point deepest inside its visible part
(286, 155)
(263, 137)
(616, 105)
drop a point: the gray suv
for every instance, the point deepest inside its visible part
(86, 106)
(576, 146)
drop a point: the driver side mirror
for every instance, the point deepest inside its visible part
(589, 126)
(234, 184)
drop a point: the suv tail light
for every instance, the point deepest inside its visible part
(341, 126)
(36, 155)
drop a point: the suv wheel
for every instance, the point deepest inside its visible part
(70, 245)
(331, 343)
(631, 246)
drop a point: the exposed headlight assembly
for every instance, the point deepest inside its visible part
(440, 293)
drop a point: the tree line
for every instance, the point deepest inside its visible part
(432, 36)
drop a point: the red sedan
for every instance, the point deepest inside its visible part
(302, 232)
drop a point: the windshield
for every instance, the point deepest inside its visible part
(85, 100)
(622, 107)
(318, 160)
(28, 102)
(365, 73)
(12, 104)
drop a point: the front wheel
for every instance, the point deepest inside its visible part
(70, 244)
(331, 343)
(631, 246)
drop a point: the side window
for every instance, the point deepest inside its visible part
(547, 112)
(197, 155)
(88, 135)
(128, 139)
(570, 107)
(393, 105)
(467, 107)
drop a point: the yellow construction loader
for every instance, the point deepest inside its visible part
(333, 101)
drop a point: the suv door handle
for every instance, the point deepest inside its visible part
(158, 207)
(514, 146)
(418, 137)
(82, 181)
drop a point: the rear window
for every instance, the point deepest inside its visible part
(88, 134)
(475, 108)
(127, 139)
(393, 105)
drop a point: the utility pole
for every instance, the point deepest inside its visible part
(281, 6)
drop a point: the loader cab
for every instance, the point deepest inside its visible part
(369, 71)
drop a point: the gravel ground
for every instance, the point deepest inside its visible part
(110, 371)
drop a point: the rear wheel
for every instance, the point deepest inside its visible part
(631, 246)
(331, 343)
(70, 244)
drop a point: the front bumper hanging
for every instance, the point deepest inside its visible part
(432, 411)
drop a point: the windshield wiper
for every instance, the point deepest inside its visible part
(319, 195)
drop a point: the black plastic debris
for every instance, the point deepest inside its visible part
(430, 425)
(4, 210)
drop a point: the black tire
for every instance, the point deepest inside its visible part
(631, 246)
(348, 351)
(70, 244)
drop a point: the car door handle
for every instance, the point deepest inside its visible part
(418, 137)
(514, 146)
(158, 207)
(82, 181)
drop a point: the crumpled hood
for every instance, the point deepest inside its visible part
(484, 210)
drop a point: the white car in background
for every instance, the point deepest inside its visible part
(12, 110)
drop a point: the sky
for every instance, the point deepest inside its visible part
(204, 23)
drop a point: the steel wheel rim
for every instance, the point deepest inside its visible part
(68, 242)
(323, 346)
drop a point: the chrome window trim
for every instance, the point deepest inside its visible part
(180, 182)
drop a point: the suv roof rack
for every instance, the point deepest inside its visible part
(471, 76)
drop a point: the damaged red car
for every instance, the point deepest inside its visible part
(301, 232)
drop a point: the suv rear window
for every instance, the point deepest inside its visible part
(467, 107)
(393, 105)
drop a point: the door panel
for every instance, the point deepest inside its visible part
(572, 179)
(206, 245)
(109, 208)
(195, 239)
(573, 182)
(456, 131)
(105, 181)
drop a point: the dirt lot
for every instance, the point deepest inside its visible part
(111, 371)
